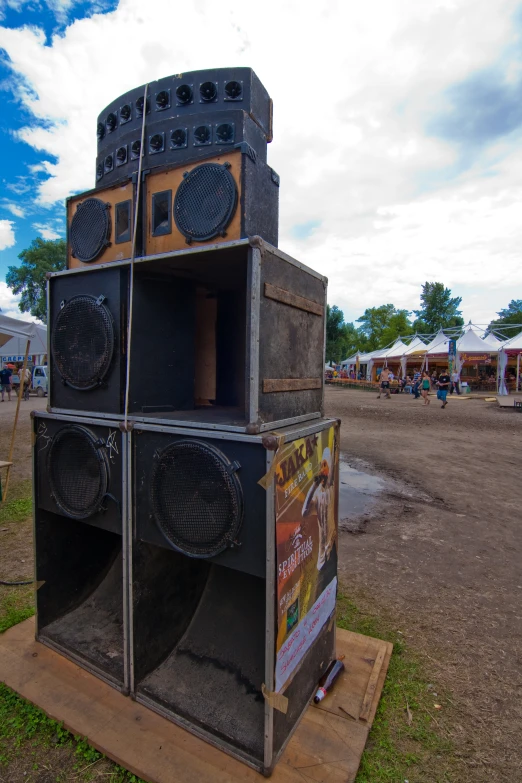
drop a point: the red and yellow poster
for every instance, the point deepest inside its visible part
(306, 478)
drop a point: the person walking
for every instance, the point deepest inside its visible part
(385, 384)
(455, 382)
(443, 383)
(425, 387)
(5, 382)
(27, 382)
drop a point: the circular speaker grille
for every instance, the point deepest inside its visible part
(82, 342)
(205, 202)
(78, 472)
(196, 498)
(90, 229)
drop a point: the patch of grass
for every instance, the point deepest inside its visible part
(16, 604)
(19, 505)
(399, 749)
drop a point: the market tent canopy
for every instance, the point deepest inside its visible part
(472, 342)
(11, 327)
(417, 346)
(396, 351)
(513, 345)
(439, 344)
(363, 358)
(490, 339)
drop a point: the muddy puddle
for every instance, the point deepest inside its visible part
(361, 493)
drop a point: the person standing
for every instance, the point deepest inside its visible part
(5, 382)
(27, 382)
(425, 387)
(443, 383)
(455, 382)
(385, 384)
(417, 377)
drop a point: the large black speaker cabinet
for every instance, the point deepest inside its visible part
(81, 542)
(88, 321)
(172, 141)
(233, 586)
(221, 199)
(183, 102)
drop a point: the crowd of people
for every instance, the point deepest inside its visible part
(420, 384)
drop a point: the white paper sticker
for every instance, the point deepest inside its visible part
(304, 635)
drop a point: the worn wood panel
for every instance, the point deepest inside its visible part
(290, 384)
(326, 747)
(293, 300)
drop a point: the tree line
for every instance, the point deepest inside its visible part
(381, 326)
(377, 326)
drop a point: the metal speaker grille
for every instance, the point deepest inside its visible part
(90, 229)
(205, 202)
(196, 498)
(82, 342)
(78, 471)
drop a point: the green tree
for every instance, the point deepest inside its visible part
(382, 325)
(29, 279)
(438, 308)
(510, 315)
(341, 338)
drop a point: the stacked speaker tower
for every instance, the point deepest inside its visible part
(185, 477)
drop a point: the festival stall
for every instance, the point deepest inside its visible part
(475, 360)
(510, 350)
(413, 356)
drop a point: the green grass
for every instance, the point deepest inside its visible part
(19, 505)
(398, 750)
(16, 604)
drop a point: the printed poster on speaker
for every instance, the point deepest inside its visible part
(306, 474)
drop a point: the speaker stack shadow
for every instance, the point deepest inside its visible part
(185, 477)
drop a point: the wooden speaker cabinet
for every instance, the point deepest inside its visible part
(228, 197)
(100, 225)
(81, 542)
(233, 586)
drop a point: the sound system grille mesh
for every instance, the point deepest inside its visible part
(205, 202)
(196, 498)
(90, 229)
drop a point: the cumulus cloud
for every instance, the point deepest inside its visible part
(46, 231)
(9, 304)
(7, 234)
(14, 209)
(378, 187)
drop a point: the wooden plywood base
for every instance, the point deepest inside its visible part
(327, 745)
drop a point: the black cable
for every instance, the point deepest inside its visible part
(16, 583)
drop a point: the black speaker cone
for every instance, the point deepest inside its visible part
(163, 100)
(121, 155)
(135, 149)
(233, 90)
(184, 94)
(99, 171)
(178, 138)
(205, 202)
(196, 498)
(108, 163)
(139, 106)
(225, 133)
(82, 342)
(208, 92)
(78, 471)
(125, 113)
(90, 229)
(156, 143)
(100, 131)
(202, 134)
(111, 122)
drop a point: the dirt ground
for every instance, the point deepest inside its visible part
(443, 562)
(448, 568)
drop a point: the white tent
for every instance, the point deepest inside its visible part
(416, 347)
(13, 338)
(491, 339)
(511, 347)
(438, 344)
(472, 342)
(514, 344)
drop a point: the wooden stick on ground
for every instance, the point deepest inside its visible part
(372, 685)
(13, 434)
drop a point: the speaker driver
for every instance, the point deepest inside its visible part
(90, 229)
(82, 342)
(196, 498)
(78, 471)
(205, 202)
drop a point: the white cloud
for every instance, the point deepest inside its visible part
(14, 209)
(353, 87)
(7, 235)
(46, 231)
(9, 304)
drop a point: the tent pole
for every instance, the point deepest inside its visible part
(13, 434)
(518, 372)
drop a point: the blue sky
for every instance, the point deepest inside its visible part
(398, 128)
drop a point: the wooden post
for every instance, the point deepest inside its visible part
(13, 435)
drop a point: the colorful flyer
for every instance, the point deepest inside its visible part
(306, 477)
